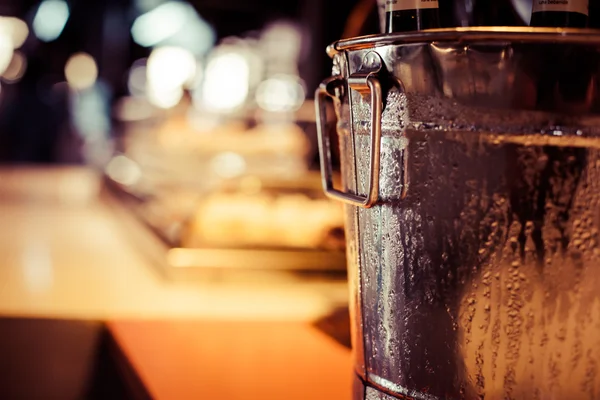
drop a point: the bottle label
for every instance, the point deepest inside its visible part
(578, 6)
(400, 5)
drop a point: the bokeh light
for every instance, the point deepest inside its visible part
(14, 28)
(6, 52)
(281, 93)
(136, 83)
(228, 165)
(16, 68)
(123, 170)
(174, 23)
(161, 23)
(81, 71)
(167, 71)
(164, 98)
(50, 19)
(226, 82)
(281, 44)
(170, 67)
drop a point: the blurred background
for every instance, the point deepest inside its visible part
(164, 231)
(87, 69)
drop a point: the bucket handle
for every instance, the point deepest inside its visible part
(366, 84)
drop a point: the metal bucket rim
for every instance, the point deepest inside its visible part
(471, 34)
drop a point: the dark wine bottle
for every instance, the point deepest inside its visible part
(560, 13)
(411, 15)
(594, 15)
(464, 13)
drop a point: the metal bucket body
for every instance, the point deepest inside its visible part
(473, 214)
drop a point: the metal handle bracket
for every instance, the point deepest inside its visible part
(367, 83)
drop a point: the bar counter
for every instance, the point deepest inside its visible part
(65, 256)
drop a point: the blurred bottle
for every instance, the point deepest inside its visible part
(381, 8)
(364, 19)
(464, 13)
(560, 13)
(411, 15)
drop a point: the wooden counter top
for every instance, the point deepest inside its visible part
(235, 360)
(64, 254)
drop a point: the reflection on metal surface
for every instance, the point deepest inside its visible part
(367, 83)
(394, 388)
(481, 280)
(472, 34)
(372, 394)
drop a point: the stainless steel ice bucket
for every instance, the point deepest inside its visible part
(471, 171)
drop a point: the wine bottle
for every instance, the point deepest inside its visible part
(594, 15)
(464, 13)
(381, 8)
(560, 13)
(411, 15)
(569, 84)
